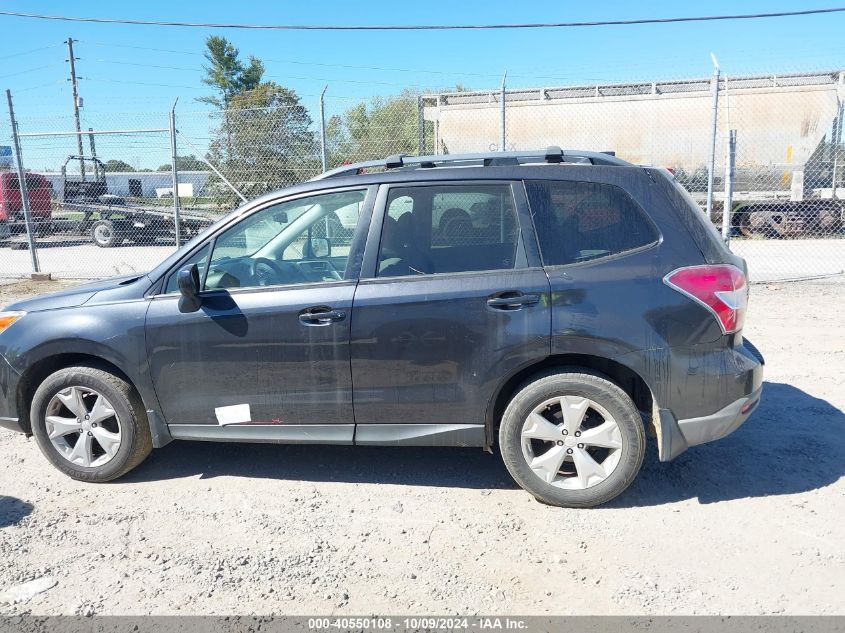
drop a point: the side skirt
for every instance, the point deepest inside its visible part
(460, 435)
(420, 435)
(266, 433)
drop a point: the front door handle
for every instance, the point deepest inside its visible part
(321, 315)
(511, 300)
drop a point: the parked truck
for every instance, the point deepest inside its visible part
(89, 208)
(11, 204)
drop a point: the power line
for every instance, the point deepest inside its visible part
(39, 86)
(29, 52)
(422, 27)
(141, 83)
(320, 64)
(28, 70)
(589, 77)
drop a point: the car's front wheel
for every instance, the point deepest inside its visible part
(90, 424)
(572, 439)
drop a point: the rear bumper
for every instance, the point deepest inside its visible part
(675, 436)
(724, 422)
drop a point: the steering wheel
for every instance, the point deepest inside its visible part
(265, 272)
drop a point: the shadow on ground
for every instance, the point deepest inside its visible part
(444, 467)
(793, 443)
(13, 511)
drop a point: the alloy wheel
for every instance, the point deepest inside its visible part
(83, 427)
(571, 442)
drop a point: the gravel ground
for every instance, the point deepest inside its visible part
(752, 524)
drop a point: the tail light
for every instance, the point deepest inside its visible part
(720, 288)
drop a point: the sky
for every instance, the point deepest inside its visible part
(131, 75)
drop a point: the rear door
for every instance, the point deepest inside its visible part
(451, 302)
(599, 249)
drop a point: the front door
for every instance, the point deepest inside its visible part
(266, 356)
(453, 304)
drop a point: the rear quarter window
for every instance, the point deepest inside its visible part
(582, 221)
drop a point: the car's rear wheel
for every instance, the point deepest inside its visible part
(90, 424)
(572, 439)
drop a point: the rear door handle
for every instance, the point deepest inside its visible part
(321, 316)
(511, 300)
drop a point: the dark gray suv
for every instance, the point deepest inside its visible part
(559, 304)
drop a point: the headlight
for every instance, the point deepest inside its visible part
(7, 318)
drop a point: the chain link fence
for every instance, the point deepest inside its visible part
(781, 176)
(122, 194)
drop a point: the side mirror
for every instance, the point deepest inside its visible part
(281, 217)
(188, 279)
(321, 247)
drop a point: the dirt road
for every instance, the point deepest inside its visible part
(752, 524)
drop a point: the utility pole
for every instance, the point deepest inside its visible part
(22, 185)
(72, 62)
(711, 160)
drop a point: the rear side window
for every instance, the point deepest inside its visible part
(448, 229)
(581, 221)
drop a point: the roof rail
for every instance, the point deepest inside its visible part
(552, 155)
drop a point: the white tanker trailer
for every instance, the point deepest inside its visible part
(788, 176)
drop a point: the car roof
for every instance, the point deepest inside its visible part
(552, 155)
(565, 171)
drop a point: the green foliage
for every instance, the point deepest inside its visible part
(227, 73)
(374, 130)
(186, 163)
(377, 129)
(265, 141)
(118, 165)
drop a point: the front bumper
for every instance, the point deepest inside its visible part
(13, 424)
(675, 436)
(8, 390)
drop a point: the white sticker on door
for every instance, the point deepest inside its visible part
(236, 414)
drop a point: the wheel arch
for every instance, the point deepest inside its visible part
(623, 376)
(36, 373)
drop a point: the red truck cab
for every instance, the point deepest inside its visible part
(11, 207)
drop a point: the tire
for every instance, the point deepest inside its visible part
(130, 420)
(619, 458)
(105, 234)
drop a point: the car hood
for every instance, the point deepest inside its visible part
(112, 289)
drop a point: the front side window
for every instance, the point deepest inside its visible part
(448, 229)
(581, 221)
(300, 241)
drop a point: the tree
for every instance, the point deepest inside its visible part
(118, 165)
(265, 141)
(186, 163)
(377, 129)
(374, 130)
(227, 73)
